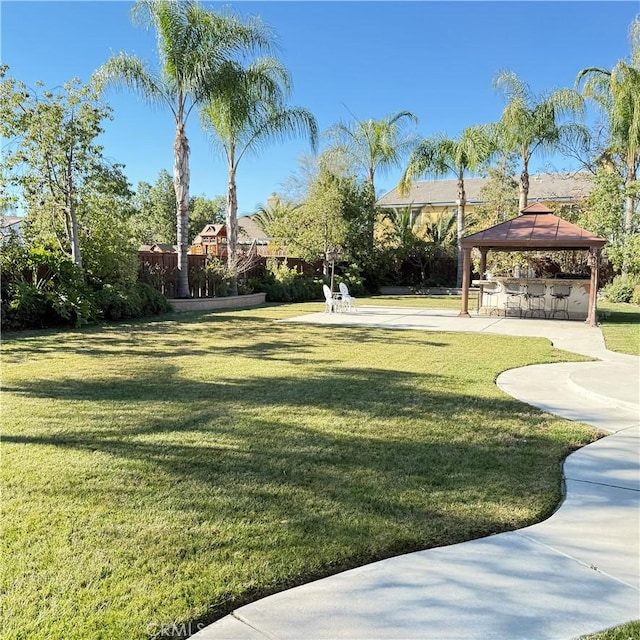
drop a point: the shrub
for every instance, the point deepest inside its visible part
(42, 288)
(284, 284)
(623, 289)
(117, 302)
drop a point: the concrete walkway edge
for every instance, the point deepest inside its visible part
(577, 572)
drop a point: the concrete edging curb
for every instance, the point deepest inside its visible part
(212, 304)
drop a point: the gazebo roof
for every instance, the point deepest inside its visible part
(535, 228)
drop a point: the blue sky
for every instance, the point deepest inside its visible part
(437, 59)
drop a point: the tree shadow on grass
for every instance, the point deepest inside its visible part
(258, 337)
(251, 449)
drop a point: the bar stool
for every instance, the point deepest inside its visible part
(490, 295)
(514, 293)
(560, 299)
(534, 295)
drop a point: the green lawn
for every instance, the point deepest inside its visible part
(629, 631)
(620, 324)
(422, 301)
(170, 471)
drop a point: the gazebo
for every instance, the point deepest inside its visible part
(536, 228)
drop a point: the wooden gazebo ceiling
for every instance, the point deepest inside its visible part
(535, 228)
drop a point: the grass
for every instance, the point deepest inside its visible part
(620, 324)
(167, 472)
(628, 631)
(422, 301)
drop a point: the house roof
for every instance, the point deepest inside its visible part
(535, 228)
(555, 187)
(9, 221)
(164, 247)
(250, 230)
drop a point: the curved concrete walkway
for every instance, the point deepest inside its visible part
(577, 572)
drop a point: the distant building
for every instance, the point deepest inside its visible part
(438, 197)
(212, 240)
(159, 247)
(10, 225)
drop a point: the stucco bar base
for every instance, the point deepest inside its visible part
(577, 303)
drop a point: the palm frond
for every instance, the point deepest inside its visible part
(125, 70)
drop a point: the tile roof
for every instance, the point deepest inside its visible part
(535, 228)
(250, 230)
(556, 187)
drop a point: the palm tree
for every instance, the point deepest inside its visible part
(402, 227)
(441, 230)
(372, 145)
(275, 220)
(531, 123)
(248, 112)
(439, 156)
(617, 93)
(194, 47)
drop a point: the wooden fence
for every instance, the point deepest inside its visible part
(160, 270)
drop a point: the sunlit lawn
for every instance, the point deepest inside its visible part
(620, 325)
(423, 301)
(173, 470)
(629, 631)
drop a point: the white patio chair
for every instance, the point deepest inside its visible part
(331, 302)
(348, 300)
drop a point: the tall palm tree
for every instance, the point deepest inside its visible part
(248, 112)
(531, 123)
(617, 93)
(372, 145)
(194, 47)
(439, 156)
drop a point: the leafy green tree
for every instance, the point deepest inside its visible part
(532, 124)
(617, 93)
(358, 207)
(498, 196)
(194, 48)
(250, 112)
(53, 156)
(602, 215)
(105, 211)
(317, 227)
(369, 147)
(440, 156)
(155, 216)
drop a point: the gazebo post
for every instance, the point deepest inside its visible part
(466, 266)
(483, 262)
(594, 264)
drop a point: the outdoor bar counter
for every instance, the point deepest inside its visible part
(553, 298)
